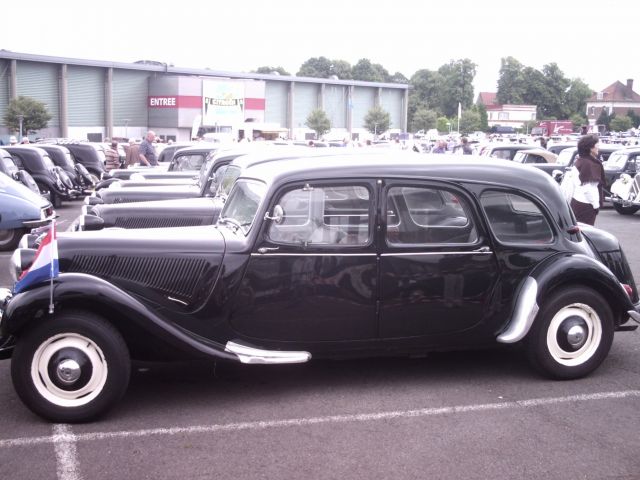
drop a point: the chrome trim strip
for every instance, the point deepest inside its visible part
(466, 252)
(524, 315)
(252, 355)
(336, 254)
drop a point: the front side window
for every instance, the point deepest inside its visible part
(421, 216)
(188, 162)
(515, 219)
(504, 154)
(240, 209)
(616, 161)
(324, 215)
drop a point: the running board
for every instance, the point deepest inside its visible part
(270, 357)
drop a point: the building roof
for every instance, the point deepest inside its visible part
(487, 98)
(616, 92)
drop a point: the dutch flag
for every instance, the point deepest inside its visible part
(44, 266)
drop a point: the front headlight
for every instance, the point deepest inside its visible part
(91, 222)
(21, 260)
(625, 178)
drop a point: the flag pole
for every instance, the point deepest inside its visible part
(52, 270)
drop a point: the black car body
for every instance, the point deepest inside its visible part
(11, 170)
(387, 255)
(90, 155)
(51, 180)
(167, 153)
(622, 161)
(79, 175)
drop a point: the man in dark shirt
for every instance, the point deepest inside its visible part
(147, 151)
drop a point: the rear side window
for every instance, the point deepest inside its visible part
(515, 219)
(427, 216)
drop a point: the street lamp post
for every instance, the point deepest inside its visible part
(20, 119)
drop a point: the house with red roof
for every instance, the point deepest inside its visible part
(505, 115)
(617, 98)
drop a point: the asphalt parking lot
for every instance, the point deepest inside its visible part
(472, 415)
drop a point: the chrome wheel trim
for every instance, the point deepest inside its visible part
(593, 335)
(68, 398)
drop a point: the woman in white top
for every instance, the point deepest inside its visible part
(588, 195)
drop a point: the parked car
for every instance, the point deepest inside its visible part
(538, 157)
(625, 194)
(90, 155)
(21, 209)
(622, 161)
(167, 153)
(50, 179)
(11, 170)
(505, 151)
(79, 175)
(356, 257)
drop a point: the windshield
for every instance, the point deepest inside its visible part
(228, 179)
(67, 158)
(240, 209)
(616, 161)
(565, 156)
(47, 161)
(205, 170)
(9, 165)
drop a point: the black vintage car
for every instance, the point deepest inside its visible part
(90, 155)
(51, 180)
(354, 257)
(622, 161)
(79, 175)
(11, 170)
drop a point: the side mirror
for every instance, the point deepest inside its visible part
(278, 215)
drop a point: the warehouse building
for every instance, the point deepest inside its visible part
(94, 100)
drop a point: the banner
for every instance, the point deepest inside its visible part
(222, 102)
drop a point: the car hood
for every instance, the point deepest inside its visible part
(11, 188)
(163, 213)
(139, 194)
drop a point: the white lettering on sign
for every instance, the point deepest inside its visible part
(162, 101)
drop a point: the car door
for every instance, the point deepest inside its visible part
(312, 275)
(438, 270)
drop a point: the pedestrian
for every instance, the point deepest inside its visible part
(112, 157)
(13, 140)
(441, 147)
(588, 181)
(133, 153)
(466, 148)
(25, 141)
(147, 151)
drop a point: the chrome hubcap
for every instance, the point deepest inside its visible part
(68, 371)
(576, 336)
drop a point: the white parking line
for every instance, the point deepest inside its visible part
(296, 422)
(64, 442)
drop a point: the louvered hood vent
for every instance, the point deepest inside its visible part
(157, 222)
(175, 277)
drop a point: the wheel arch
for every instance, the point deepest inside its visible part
(132, 318)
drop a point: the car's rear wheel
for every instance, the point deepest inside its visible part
(9, 238)
(572, 334)
(71, 369)
(622, 210)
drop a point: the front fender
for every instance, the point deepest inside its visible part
(99, 295)
(579, 269)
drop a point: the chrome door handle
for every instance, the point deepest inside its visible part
(267, 249)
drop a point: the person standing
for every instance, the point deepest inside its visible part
(133, 153)
(112, 158)
(588, 193)
(147, 152)
(466, 148)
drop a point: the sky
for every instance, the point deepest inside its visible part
(596, 42)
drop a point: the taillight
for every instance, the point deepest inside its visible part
(628, 289)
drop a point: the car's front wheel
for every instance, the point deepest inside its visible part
(71, 369)
(572, 334)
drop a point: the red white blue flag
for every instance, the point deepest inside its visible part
(45, 265)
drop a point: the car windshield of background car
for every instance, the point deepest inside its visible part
(203, 176)
(229, 176)
(616, 161)
(565, 156)
(242, 205)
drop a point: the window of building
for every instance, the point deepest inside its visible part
(503, 115)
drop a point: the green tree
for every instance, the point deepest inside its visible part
(318, 122)
(366, 71)
(444, 125)
(271, 70)
(578, 121)
(621, 124)
(484, 118)
(398, 78)
(341, 69)
(576, 98)
(470, 121)
(423, 119)
(456, 86)
(34, 115)
(635, 119)
(511, 82)
(423, 93)
(604, 119)
(377, 120)
(317, 67)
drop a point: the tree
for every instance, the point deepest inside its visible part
(423, 119)
(377, 120)
(341, 69)
(444, 124)
(366, 71)
(34, 114)
(578, 121)
(317, 67)
(318, 122)
(604, 119)
(456, 86)
(576, 98)
(635, 119)
(621, 123)
(271, 70)
(470, 121)
(511, 88)
(398, 78)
